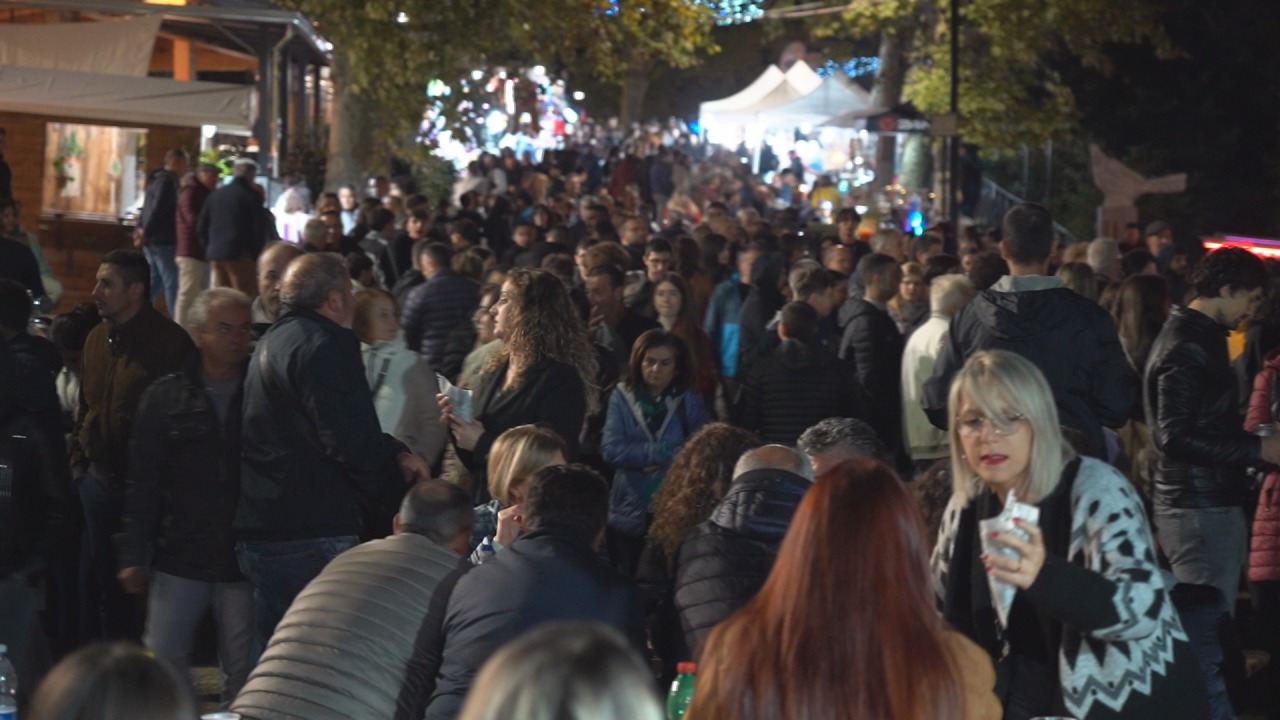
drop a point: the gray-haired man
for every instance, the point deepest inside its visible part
(317, 471)
(180, 498)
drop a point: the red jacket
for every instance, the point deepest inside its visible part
(1264, 545)
(190, 200)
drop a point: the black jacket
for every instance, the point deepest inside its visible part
(1189, 392)
(551, 394)
(726, 559)
(432, 311)
(619, 339)
(37, 508)
(159, 218)
(18, 263)
(796, 386)
(760, 306)
(232, 223)
(545, 575)
(1071, 339)
(183, 481)
(313, 453)
(38, 363)
(873, 344)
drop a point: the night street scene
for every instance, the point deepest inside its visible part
(639, 360)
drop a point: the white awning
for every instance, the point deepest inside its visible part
(113, 47)
(768, 80)
(119, 99)
(798, 81)
(834, 96)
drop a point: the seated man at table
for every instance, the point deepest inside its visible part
(551, 572)
(345, 649)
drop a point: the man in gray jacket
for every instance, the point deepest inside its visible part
(363, 640)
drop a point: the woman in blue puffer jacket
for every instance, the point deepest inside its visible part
(651, 413)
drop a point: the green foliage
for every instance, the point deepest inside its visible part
(394, 48)
(1010, 93)
(306, 160)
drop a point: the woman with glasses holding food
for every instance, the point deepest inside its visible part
(1085, 626)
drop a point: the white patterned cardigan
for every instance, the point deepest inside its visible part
(1119, 625)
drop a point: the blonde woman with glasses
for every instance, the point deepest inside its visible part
(1091, 631)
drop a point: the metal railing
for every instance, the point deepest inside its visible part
(995, 201)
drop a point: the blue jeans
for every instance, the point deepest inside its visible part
(175, 606)
(279, 571)
(164, 273)
(1201, 609)
(107, 611)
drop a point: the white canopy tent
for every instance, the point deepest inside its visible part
(121, 99)
(799, 81)
(835, 95)
(746, 97)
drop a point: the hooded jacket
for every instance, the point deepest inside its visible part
(725, 559)
(1071, 339)
(796, 386)
(629, 447)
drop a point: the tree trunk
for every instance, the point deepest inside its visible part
(886, 94)
(351, 135)
(635, 86)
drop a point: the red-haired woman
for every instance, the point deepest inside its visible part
(846, 625)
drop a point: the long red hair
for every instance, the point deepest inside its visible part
(846, 625)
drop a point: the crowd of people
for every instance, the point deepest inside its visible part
(528, 450)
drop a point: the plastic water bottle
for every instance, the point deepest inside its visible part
(681, 690)
(8, 687)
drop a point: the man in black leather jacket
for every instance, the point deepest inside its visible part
(1202, 450)
(316, 471)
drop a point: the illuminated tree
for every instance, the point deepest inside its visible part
(387, 51)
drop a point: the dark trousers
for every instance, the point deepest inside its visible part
(107, 612)
(278, 571)
(1266, 621)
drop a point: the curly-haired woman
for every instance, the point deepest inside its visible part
(698, 478)
(544, 373)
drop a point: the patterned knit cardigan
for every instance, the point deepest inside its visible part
(1118, 625)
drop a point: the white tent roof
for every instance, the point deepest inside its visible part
(798, 81)
(834, 96)
(120, 99)
(768, 80)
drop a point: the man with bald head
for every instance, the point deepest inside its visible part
(317, 473)
(271, 264)
(725, 560)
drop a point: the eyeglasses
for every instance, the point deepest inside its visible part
(971, 426)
